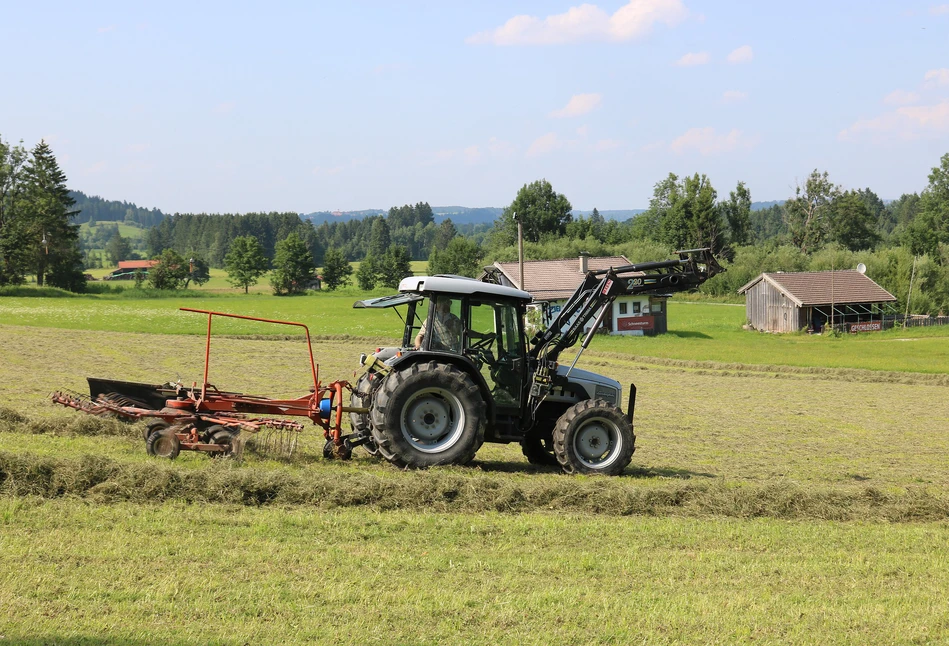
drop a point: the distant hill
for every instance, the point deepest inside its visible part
(761, 206)
(94, 208)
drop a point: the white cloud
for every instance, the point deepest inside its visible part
(137, 148)
(905, 123)
(900, 97)
(105, 30)
(708, 142)
(96, 168)
(223, 108)
(690, 59)
(935, 78)
(939, 9)
(741, 55)
(472, 154)
(544, 144)
(500, 148)
(583, 131)
(322, 170)
(607, 144)
(734, 96)
(653, 146)
(577, 105)
(585, 23)
(928, 117)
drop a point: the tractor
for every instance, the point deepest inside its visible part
(467, 372)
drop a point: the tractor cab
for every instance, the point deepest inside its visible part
(478, 326)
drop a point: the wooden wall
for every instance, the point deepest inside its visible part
(769, 310)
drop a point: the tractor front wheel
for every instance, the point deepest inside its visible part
(427, 415)
(594, 436)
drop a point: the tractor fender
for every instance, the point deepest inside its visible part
(461, 362)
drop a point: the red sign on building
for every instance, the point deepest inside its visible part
(626, 323)
(866, 326)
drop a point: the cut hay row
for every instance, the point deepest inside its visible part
(103, 480)
(763, 370)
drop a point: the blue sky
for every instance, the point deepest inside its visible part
(236, 107)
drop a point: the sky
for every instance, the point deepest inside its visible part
(233, 107)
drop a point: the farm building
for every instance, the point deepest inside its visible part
(788, 302)
(128, 268)
(552, 282)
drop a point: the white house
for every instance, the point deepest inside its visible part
(552, 282)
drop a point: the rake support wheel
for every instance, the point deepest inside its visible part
(360, 398)
(163, 444)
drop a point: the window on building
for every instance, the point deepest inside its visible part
(622, 308)
(656, 307)
(637, 307)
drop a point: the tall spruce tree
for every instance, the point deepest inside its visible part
(45, 209)
(13, 254)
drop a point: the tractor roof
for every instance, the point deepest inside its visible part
(446, 284)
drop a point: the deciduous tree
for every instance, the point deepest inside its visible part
(461, 257)
(737, 211)
(542, 211)
(118, 248)
(171, 272)
(808, 213)
(245, 262)
(336, 269)
(293, 266)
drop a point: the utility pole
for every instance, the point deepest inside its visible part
(520, 251)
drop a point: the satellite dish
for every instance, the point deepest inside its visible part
(862, 268)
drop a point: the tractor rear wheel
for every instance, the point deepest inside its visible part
(427, 415)
(594, 436)
(163, 444)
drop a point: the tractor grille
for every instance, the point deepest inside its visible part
(607, 394)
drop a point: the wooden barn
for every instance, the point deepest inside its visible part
(788, 302)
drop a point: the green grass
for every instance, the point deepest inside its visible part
(698, 331)
(125, 230)
(196, 574)
(771, 499)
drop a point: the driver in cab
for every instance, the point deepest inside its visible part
(446, 331)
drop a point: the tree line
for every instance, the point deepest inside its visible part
(820, 226)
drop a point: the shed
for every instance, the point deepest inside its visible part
(552, 282)
(788, 302)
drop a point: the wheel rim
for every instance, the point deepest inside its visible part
(164, 446)
(433, 420)
(598, 443)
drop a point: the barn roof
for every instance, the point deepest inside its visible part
(551, 280)
(137, 264)
(807, 288)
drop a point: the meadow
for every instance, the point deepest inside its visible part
(785, 489)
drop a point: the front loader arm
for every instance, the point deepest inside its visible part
(599, 288)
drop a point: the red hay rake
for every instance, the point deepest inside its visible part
(214, 421)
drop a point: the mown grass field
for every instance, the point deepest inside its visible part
(699, 331)
(784, 490)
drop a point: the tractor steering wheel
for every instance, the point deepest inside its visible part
(483, 341)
